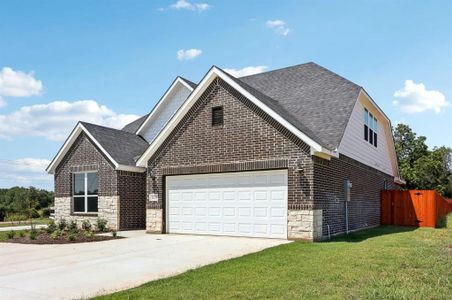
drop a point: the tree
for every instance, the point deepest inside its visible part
(420, 167)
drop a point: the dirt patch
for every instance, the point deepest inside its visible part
(45, 238)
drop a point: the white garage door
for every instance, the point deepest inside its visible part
(238, 204)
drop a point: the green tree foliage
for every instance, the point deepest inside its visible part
(420, 167)
(24, 201)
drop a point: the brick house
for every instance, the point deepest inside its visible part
(295, 153)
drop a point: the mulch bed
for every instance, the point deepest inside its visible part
(45, 238)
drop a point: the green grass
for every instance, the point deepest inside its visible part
(388, 262)
(4, 234)
(27, 222)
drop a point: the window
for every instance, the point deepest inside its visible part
(85, 192)
(370, 128)
(217, 115)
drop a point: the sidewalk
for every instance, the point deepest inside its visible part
(21, 227)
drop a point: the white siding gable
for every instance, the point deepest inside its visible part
(354, 146)
(164, 111)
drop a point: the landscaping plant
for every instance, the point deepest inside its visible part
(56, 234)
(51, 227)
(72, 226)
(71, 237)
(62, 224)
(11, 234)
(88, 234)
(86, 225)
(101, 224)
(21, 233)
(114, 233)
(33, 234)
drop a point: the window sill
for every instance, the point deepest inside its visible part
(81, 214)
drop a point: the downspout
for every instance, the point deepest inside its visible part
(347, 186)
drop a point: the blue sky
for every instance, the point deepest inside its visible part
(110, 61)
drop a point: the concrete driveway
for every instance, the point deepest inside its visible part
(88, 269)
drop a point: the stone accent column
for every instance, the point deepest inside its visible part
(154, 220)
(304, 225)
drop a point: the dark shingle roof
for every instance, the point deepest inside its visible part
(312, 98)
(190, 83)
(133, 126)
(124, 147)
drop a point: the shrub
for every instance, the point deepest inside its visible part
(101, 224)
(56, 234)
(88, 234)
(44, 213)
(51, 227)
(34, 213)
(114, 233)
(72, 226)
(16, 217)
(21, 233)
(11, 234)
(86, 225)
(71, 237)
(62, 224)
(33, 234)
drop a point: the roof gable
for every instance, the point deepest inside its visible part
(267, 104)
(120, 147)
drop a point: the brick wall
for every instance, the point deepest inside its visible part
(364, 207)
(84, 156)
(248, 140)
(132, 195)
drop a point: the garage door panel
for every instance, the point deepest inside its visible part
(241, 204)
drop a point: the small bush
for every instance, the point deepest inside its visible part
(72, 226)
(62, 224)
(114, 233)
(44, 213)
(56, 234)
(21, 233)
(33, 234)
(88, 234)
(11, 234)
(71, 237)
(16, 218)
(51, 227)
(101, 224)
(86, 225)
(34, 213)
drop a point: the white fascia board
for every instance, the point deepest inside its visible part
(210, 76)
(177, 81)
(70, 141)
(131, 168)
(399, 181)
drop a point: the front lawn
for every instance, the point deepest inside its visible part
(388, 262)
(41, 221)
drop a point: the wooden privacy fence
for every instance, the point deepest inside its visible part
(421, 208)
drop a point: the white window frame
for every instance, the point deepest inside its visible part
(86, 195)
(372, 124)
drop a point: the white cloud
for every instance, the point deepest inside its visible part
(415, 98)
(184, 4)
(24, 172)
(246, 71)
(2, 102)
(279, 26)
(55, 120)
(188, 54)
(18, 84)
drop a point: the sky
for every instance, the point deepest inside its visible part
(108, 62)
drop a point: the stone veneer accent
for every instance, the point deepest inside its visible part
(108, 208)
(304, 224)
(154, 220)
